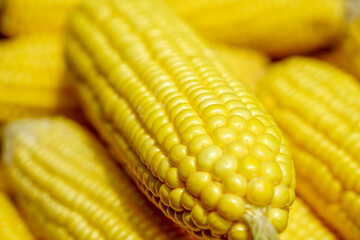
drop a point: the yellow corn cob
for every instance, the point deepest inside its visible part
(318, 108)
(248, 64)
(278, 27)
(69, 188)
(32, 78)
(346, 54)
(179, 122)
(12, 226)
(33, 16)
(304, 225)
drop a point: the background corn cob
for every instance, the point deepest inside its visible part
(181, 124)
(278, 27)
(346, 54)
(248, 64)
(69, 189)
(33, 16)
(12, 226)
(33, 79)
(318, 108)
(304, 224)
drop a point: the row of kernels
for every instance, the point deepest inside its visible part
(350, 202)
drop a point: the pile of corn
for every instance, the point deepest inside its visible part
(204, 120)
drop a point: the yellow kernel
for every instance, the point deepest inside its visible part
(186, 167)
(281, 196)
(262, 153)
(238, 231)
(286, 173)
(235, 183)
(283, 158)
(197, 181)
(237, 123)
(177, 153)
(175, 199)
(159, 122)
(236, 149)
(246, 137)
(242, 112)
(188, 122)
(215, 122)
(269, 141)
(271, 170)
(234, 104)
(163, 168)
(223, 136)
(273, 131)
(199, 216)
(182, 115)
(217, 224)
(187, 200)
(192, 132)
(163, 132)
(210, 195)
(291, 196)
(164, 194)
(207, 157)
(186, 216)
(256, 126)
(172, 178)
(155, 163)
(231, 207)
(224, 166)
(170, 141)
(260, 191)
(215, 109)
(249, 167)
(279, 218)
(199, 142)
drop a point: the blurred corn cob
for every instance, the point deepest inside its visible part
(304, 225)
(34, 16)
(179, 121)
(346, 54)
(318, 108)
(279, 27)
(4, 182)
(33, 80)
(68, 187)
(248, 64)
(12, 226)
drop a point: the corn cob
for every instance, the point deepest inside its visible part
(179, 122)
(318, 108)
(278, 27)
(346, 54)
(69, 188)
(248, 64)
(304, 225)
(32, 78)
(34, 16)
(12, 226)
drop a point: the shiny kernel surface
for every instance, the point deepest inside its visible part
(235, 183)
(231, 207)
(260, 191)
(158, 93)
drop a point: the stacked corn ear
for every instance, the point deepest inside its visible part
(33, 79)
(318, 108)
(278, 27)
(248, 64)
(346, 54)
(69, 188)
(12, 226)
(305, 225)
(189, 132)
(34, 16)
